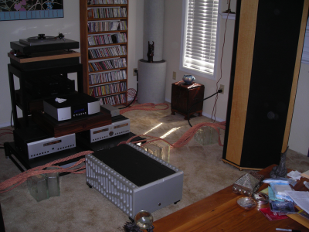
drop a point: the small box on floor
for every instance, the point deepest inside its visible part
(53, 183)
(159, 149)
(44, 186)
(37, 186)
(206, 135)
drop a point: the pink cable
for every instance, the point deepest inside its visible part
(15, 181)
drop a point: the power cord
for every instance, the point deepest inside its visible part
(214, 109)
(136, 71)
(188, 113)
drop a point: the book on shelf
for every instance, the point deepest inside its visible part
(102, 77)
(106, 25)
(108, 89)
(106, 12)
(107, 38)
(98, 2)
(114, 99)
(112, 63)
(94, 53)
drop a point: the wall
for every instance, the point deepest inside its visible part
(299, 135)
(172, 43)
(135, 38)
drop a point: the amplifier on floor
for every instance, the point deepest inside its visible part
(34, 142)
(134, 179)
(71, 106)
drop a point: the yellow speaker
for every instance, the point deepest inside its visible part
(268, 43)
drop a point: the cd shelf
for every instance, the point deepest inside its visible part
(107, 38)
(108, 89)
(104, 49)
(103, 52)
(106, 77)
(114, 100)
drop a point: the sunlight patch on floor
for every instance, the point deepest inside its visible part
(160, 124)
(169, 132)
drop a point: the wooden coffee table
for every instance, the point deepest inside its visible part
(220, 212)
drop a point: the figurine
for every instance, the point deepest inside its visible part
(150, 53)
(280, 170)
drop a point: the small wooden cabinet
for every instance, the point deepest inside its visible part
(187, 99)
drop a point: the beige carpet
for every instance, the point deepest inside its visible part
(80, 208)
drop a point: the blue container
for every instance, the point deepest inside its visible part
(188, 79)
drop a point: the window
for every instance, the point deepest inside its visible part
(199, 37)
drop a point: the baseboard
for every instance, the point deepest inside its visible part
(209, 116)
(168, 100)
(5, 124)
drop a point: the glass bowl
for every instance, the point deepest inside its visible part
(246, 203)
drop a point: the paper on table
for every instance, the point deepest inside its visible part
(295, 175)
(305, 174)
(300, 198)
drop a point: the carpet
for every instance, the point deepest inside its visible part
(80, 208)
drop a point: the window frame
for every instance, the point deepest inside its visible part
(212, 76)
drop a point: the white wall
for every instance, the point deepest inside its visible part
(135, 38)
(172, 43)
(299, 135)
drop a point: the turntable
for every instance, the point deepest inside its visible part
(43, 51)
(42, 43)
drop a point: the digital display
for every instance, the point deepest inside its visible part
(52, 143)
(99, 131)
(121, 125)
(79, 110)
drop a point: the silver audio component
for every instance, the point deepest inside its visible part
(134, 179)
(50, 145)
(71, 106)
(116, 128)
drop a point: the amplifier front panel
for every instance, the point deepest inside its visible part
(51, 145)
(109, 131)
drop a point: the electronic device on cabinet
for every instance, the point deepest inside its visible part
(71, 106)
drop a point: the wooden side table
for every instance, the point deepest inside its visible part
(187, 99)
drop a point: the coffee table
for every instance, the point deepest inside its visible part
(220, 212)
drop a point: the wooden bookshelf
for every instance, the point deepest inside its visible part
(104, 49)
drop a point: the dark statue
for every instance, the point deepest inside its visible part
(280, 170)
(150, 52)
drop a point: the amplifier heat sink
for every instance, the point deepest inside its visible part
(133, 179)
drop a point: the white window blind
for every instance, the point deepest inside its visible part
(199, 39)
